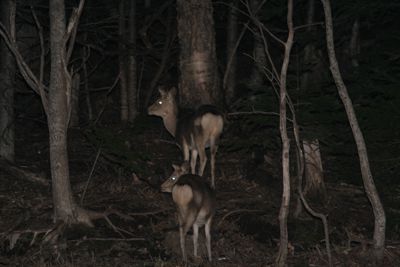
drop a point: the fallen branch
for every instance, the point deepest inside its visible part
(238, 211)
(20, 173)
(108, 239)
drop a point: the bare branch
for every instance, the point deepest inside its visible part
(26, 72)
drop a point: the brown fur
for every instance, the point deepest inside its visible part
(195, 202)
(194, 131)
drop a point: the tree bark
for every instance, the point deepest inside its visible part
(132, 67)
(309, 50)
(7, 84)
(369, 185)
(355, 43)
(88, 100)
(231, 52)
(199, 82)
(260, 60)
(123, 78)
(284, 210)
(65, 208)
(75, 92)
(314, 172)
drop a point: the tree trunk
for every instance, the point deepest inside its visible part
(355, 43)
(7, 84)
(86, 83)
(123, 79)
(75, 90)
(309, 50)
(369, 185)
(199, 82)
(64, 205)
(260, 60)
(231, 52)
(132, 70)
(314, 173)
(284, 210)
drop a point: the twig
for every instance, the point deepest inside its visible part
(108, 239)
(108, 92)
(72, 27)
(23, 67)
(41, 39)
(129, 217)
(90, 175)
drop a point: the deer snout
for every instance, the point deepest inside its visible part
(168, 184)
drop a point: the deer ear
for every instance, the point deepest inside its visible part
(173, 91)
(161, 91)
(185, 166)
(176, 167)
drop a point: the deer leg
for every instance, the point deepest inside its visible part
(193, 161)
(213, 153)
(195, 238)
(184, 224)
(203, 159)
(185, 149)
(207, 228)
(182, 235)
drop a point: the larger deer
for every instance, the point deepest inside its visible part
(193, 131)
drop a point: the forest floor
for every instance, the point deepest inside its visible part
(142, 230)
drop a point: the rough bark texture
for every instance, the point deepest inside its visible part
(369, 185)
(7, 84)
(199, 82)
(132, 70)
(230, 53)
(64, 205)
(284, 210)
(314, 173)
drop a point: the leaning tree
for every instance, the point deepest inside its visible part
(369, 185)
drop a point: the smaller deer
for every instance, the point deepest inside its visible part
(195, 202)
(194, 131)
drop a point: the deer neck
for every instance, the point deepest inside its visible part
(170, 121)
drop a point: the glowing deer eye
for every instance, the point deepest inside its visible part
(173, 178)
(160, 102)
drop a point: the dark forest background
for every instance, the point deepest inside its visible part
(368, 52)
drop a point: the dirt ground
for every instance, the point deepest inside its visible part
(141, 229)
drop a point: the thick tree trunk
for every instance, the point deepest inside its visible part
(199, 82)
(7, 84)
(123, 78)
(369, 185)
(132, 70)
(64, 205)
(230, 53)
(284, 210)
